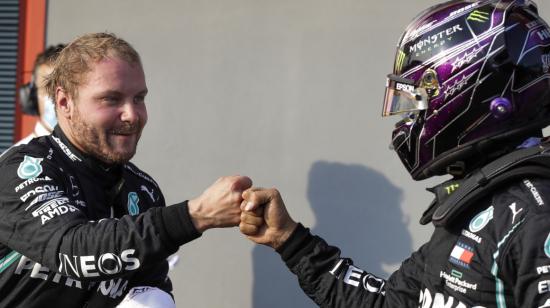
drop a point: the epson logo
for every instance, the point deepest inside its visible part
(106, 264)
(39, 190)
(404, 87)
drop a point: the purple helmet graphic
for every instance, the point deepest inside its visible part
(471, 80)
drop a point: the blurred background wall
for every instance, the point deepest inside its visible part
(288, 92)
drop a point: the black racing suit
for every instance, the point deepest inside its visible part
(496, 254)
(75, 233)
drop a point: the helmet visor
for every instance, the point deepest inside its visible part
(402, 96)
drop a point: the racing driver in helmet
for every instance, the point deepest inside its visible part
(471, 82)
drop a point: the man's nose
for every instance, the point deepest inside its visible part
(130, 112)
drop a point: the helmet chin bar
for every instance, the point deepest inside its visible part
(460, 161)
(457, 169)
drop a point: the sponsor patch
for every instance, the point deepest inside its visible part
(515, 211)
(53, 208)
(31, 181)
(544, 286)
(455, 282)
(29, 168)
(46, 196)
(481, 220)
(438, 300)
(38, 271)
(547, 246)
(436, 40)
(149, 192)
(472, 236)
(133, 200)
(545, 269)
(66, 150)
(38, 190)
(108, 263)
(462, 255)
(534, 192)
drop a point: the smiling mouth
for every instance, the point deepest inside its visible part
(124, 131)
(125, 134)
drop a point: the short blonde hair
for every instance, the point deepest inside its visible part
(76, 59)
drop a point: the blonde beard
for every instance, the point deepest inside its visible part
(92, 143)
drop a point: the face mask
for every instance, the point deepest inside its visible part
(49, 117)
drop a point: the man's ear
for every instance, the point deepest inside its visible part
(63, 104)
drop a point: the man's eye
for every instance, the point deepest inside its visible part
(111, 99)
(139, 99)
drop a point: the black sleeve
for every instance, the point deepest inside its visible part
(153, 276)
(332, 281)
(42, 222)
(524, 264)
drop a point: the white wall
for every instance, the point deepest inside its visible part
(288, 92)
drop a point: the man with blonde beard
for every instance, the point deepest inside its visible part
(82, 226)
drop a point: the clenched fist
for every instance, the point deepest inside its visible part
(264, 218)
(219, 204)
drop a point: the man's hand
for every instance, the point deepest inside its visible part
(264, 218)
(219, 204)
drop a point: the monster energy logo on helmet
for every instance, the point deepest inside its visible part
(478, 16)
(399, 61)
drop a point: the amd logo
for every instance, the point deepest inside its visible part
(90, 266)
(427, 300)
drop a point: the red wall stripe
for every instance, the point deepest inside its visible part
(32, 32)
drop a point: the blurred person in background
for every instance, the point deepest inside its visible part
(34, 99)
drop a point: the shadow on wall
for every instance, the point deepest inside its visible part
(357, 209)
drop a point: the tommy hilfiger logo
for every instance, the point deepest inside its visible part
(462, 255)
